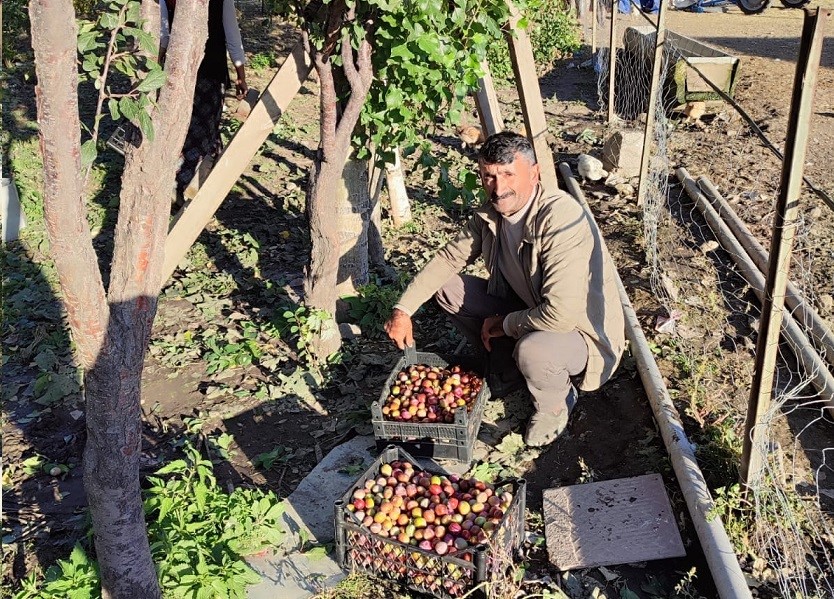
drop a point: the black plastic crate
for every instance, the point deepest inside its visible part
(454, 441)
(470, 572)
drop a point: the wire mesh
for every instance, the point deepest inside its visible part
(706, 330)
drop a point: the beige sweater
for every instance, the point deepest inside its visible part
(568, 272)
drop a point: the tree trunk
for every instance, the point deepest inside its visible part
(112, 339)
(353, 207)
(335, 131)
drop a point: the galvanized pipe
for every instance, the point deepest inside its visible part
(809, 360)
(802, 311)
(718, 551)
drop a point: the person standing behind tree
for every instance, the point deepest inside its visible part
(203, 137)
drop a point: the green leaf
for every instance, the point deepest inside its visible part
(88, 152)
(146, 124)
(128, 107)
(154, 80)
(113, 106)
(627, 593)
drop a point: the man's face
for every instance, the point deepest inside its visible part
(509, 186)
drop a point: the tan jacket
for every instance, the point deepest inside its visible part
(568, 270)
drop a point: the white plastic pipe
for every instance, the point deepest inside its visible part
(718, 551)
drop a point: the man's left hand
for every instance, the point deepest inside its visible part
(493, 327)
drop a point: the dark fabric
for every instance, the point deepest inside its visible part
(203, 137)
(214, 65)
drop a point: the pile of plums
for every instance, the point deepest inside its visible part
(441, 514)
(422, 393)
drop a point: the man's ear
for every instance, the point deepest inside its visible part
(535, 172)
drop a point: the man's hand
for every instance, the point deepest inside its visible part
(240, 84)
(493, 327)
(400, 329)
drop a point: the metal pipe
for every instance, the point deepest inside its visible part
(810, 362)
(718, 551)
(803, 312)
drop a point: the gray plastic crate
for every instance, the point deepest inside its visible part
(448, 576)
(454, 441)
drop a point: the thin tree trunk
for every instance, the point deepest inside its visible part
(334, 148)
(376, 251)
(112, 340)
(397, 193)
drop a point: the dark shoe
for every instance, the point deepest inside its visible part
(544, 428)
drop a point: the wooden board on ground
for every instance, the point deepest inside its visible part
(613, 522)
(236, 157)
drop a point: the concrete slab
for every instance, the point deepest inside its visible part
(296, 576)
(608, 523)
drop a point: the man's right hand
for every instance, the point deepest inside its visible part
(400, 329)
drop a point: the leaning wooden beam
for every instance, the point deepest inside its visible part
(234, 160)
(527, 81)
(486, 100)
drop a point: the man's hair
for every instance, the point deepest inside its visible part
(501, 148)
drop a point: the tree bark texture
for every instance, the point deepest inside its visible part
(353, 207)
(397, 192)
(112, 332)
(335, 136)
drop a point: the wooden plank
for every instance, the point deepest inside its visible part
(612, 63)
(648, 137)
(486, 100)
(527, 81)
(234, 160)
(781, 244)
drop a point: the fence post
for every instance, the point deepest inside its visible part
(612, 61)
(651, 109)
(784, 228)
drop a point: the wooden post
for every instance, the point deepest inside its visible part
(524, 67)
(612, 62)
(651, 111)
(784, 228)
(486, 100)
(234, 160)
(593, 28)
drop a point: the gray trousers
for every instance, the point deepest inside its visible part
(546, 360)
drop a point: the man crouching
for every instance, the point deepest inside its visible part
(550, 312)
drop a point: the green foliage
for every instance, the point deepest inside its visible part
(459, 186)
(114, 41)
(262, 61)
(736, 514)
(372, 305)
(554, 33)
(426, 58)
(198, 535)
(73, 578)
(277, 455)
(225, 352)
(302, 326)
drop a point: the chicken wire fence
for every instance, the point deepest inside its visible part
(707, 330)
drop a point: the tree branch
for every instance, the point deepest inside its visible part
(54, 35)
(360, 77)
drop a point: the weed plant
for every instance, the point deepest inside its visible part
(198, 535)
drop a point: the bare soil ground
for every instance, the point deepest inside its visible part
(248, 267)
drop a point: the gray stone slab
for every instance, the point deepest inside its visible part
(310, 506)
(608, 523)
(295, 576)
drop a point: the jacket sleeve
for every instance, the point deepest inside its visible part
(564, 258)
(449, 260)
